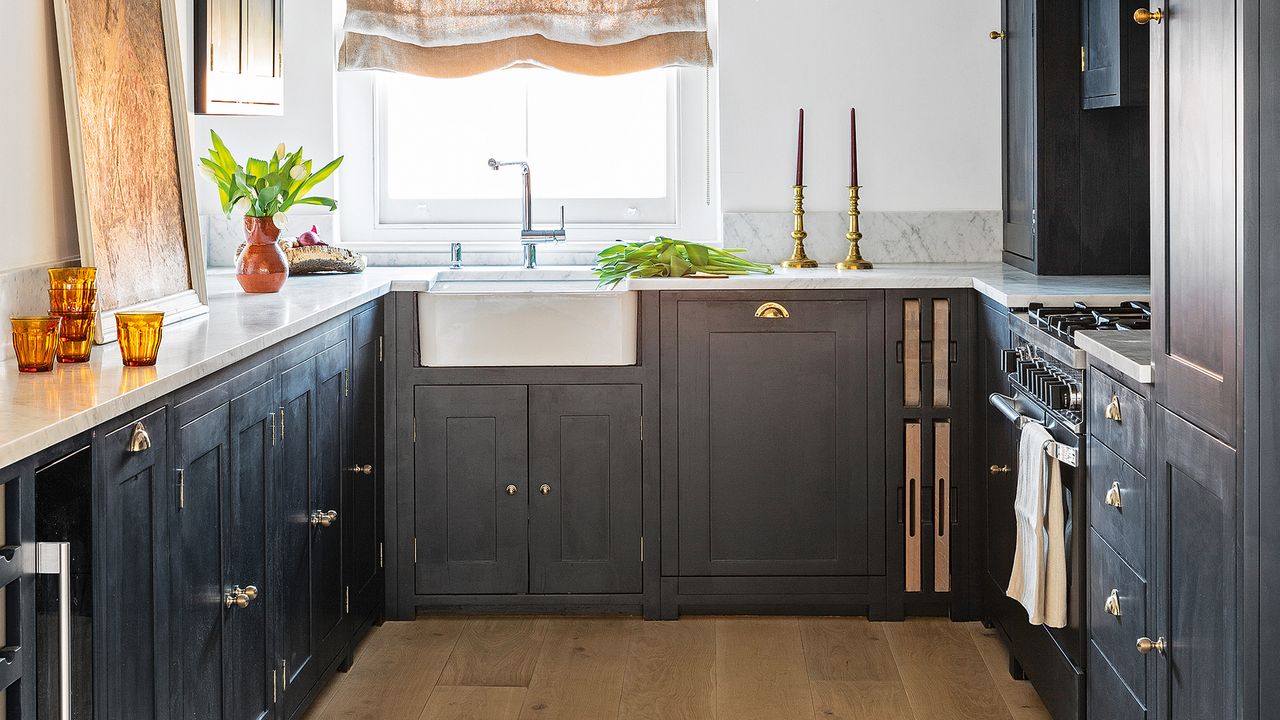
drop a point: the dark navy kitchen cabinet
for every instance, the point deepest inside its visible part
(1114, 61)
(362, 483)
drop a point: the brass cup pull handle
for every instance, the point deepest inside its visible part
(365, 469)
(772, 311)
(1001, 469)
(1113, 409)
(139, 440)
(997, 35)
(324, 518)
(1112, 605)
(1146, 645)
(237, 597)
(545, 489)
(1113, 496)
(512, 489)
(1142, 16)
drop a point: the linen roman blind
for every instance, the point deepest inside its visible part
(457, 38)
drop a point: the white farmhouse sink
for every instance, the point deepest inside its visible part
(484, 322)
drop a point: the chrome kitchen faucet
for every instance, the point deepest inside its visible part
(530, 239)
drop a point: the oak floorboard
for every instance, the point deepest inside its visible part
(942, 672)
(452, 702)
(496, 651)
(395, 673)
(760, 670)
(847, 649)
(671, 672)
(1019, 695)
(580, 669)
(860, 700)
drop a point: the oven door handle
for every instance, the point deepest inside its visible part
(1005, 405)
(54, 558)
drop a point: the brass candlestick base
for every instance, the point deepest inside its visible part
(854, 261)
(798, 259)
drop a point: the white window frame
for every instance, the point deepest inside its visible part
(692, 166)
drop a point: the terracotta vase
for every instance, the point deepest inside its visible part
(262, 267)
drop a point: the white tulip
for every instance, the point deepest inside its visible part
(296, 172)
(208, 173)
(280, 151)
(280, 219)
(242, 205)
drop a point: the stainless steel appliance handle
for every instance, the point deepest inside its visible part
(1064, 454)
(54, 558)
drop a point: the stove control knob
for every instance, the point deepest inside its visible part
(1009, 361)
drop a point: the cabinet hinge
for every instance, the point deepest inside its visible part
(641, 428)
(379, 554)
(275, 683)
(346, 599)
(282, 424)
(284, 675)
(273, 429)
(379, 348)
(641, 548)
(415, 551)
(182, 488)
(346, 383)
(1081, 58)
(415, 429)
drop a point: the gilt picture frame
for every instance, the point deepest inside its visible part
(131, 157)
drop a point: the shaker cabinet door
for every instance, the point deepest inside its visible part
(300, 658)
(328, 595)
(1020, 136)
(471, 469)
(584, 489)
(361, 523)
(779, 425)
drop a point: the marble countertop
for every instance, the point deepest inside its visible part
(1128, 352)
(43, 409)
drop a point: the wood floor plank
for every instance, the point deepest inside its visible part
(671, 671)
(580, 669)
(1019, 695)
(395, 673)
(860, 700)
(760, 670)
(942, 672)
(847, 649)
(497, 651)
(451, 702)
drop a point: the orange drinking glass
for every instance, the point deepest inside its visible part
(75, 338)
(72, 289)
(139, 335)
(35, 339)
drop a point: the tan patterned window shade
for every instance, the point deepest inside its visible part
(457, 38)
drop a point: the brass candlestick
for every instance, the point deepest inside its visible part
(854, 261)
(798, 259)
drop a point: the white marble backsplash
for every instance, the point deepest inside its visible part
(942, 236)
(24, 291)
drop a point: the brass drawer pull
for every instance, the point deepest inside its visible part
(772, 311)
(139, 440)
(1113, 409)
(1113, 496)
(239, 597)
(1142, 16)
(1112, 605)
(545, 489)
(512, 489)
(324, 519)
(362, 469)
(1146, 645)
(1001, 469)
(997, 35)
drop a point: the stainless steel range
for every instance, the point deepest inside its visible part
(1046, 385)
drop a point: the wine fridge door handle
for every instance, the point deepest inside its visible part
(54, 558)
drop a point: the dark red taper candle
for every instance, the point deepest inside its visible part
(853, 147)
(800, 151)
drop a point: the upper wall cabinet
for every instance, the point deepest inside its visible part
(1076, 192)
(239, 58)
(1114, 55)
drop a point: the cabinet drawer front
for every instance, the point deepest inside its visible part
(1120, 418)
(1109, 698)
(1115, 635)
(1124, 527)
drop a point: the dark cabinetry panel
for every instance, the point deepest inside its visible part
(328, 595)
(1115, 62)
(471, 477)
(747, 381)
(294, 549)
(362, 501)
(584, 500)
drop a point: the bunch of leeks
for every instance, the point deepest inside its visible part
(665, 257)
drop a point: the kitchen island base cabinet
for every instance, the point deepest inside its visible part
(527, 490)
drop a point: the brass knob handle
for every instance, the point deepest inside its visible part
(1001, 469)
(139, 440)
(251, 591)
(997, 35)
(512, 489)
(772, 311)
(324, 518)
(545, 489)
(1142, 16)
(1113, 409)
(1113, 496)
(365, 469)
(237, 597)
(1146, 645)
(1112, 605)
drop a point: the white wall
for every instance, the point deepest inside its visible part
(925, 79)
(37, 212)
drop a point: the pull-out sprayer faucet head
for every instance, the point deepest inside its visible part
(524, 166)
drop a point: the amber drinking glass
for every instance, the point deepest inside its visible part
(75, 338)
(72, 290)
(35, 340)
(139, 336)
